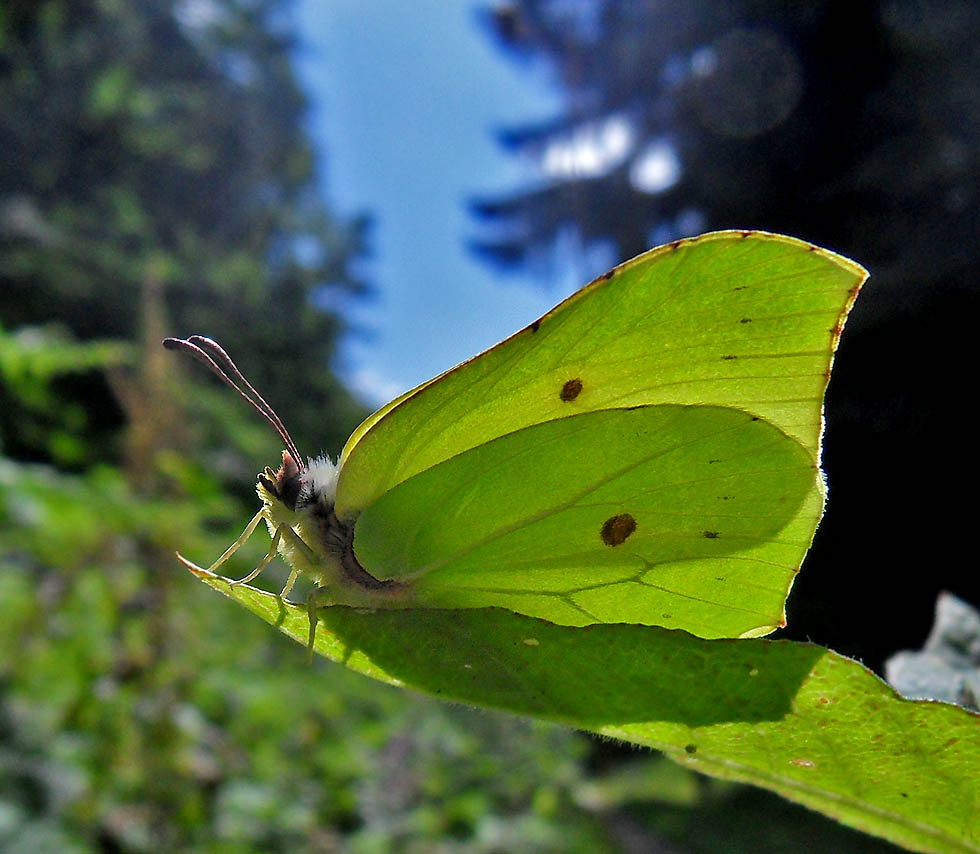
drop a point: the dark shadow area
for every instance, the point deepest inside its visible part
(491, 657)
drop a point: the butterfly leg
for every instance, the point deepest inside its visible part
(294, 540)
(273, 551)
(289, 583)
(235, 546)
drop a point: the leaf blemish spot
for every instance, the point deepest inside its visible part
(616, 529)
(728, 358)
(531, 642)
(607, 276)
(711, 535)
(746, 320)
(690, 748)
(570, 390)
(534, 327)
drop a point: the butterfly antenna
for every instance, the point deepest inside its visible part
(210, 353)
(231, 370)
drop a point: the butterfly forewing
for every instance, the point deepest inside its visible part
(746, 320)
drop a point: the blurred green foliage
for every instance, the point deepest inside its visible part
(156, 180)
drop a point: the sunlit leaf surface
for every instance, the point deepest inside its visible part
(805, 722)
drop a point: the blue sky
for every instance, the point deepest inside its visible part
(404, 105)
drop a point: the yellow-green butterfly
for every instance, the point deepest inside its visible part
(647, 452)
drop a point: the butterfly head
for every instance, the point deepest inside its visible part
(300, 486)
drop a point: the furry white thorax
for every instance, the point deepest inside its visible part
(321, 478)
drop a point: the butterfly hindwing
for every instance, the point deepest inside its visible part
(657, 514)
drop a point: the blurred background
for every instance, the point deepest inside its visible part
(351, 196)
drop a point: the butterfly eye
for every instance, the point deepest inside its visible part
(289, 481)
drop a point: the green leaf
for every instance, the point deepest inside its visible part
(795, 718)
